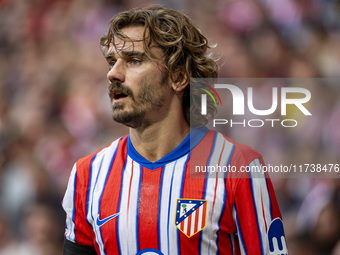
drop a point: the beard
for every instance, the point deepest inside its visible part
(134, 115)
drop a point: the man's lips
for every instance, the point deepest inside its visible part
(118, 95)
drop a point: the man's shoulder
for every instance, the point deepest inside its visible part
(242, 152)
(245, 151)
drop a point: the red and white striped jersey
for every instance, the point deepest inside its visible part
(120, 203)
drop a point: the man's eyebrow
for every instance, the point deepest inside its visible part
(125, 54)
(138, 54)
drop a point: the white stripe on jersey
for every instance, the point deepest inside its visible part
(134, 198)
(127, 222)
(185, 230)
(68, 206)
(232, 241)
(240, 237)
(100, 167)
(200, 216)
(215, 191)
(123, 202)
(265, 196)
(260, 194)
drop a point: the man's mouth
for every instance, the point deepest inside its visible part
(118, 92)
(118, 96)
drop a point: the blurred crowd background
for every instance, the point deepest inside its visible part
(54, 106)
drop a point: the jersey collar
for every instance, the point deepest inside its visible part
(195, 136)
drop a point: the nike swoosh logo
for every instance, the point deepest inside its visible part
(103, 221)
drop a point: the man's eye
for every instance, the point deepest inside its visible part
(135, 61)
(111, 63)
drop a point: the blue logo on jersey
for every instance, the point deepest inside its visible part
(103, 221)
(149, 251)
(276, 238)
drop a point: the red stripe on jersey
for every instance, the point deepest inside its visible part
(148, 213)
(227, 225)
(82, 227)
(109, 203)
(275, 210)
(246, 213)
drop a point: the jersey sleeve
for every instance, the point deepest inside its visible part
(77, 229)
(257, 215)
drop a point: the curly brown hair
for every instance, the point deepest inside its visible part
(184, 49)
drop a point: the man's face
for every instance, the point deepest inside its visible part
(139, 86)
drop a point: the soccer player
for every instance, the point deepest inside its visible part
(136, 196)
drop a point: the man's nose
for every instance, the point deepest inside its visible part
(117, 72)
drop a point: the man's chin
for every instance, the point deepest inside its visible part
(130, 120)
(117, 106)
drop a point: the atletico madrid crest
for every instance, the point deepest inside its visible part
(191, 215)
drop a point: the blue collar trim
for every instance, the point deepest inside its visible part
(195, 136)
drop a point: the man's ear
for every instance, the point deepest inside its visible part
(180, 82)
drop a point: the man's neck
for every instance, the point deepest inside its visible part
(159, 139)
